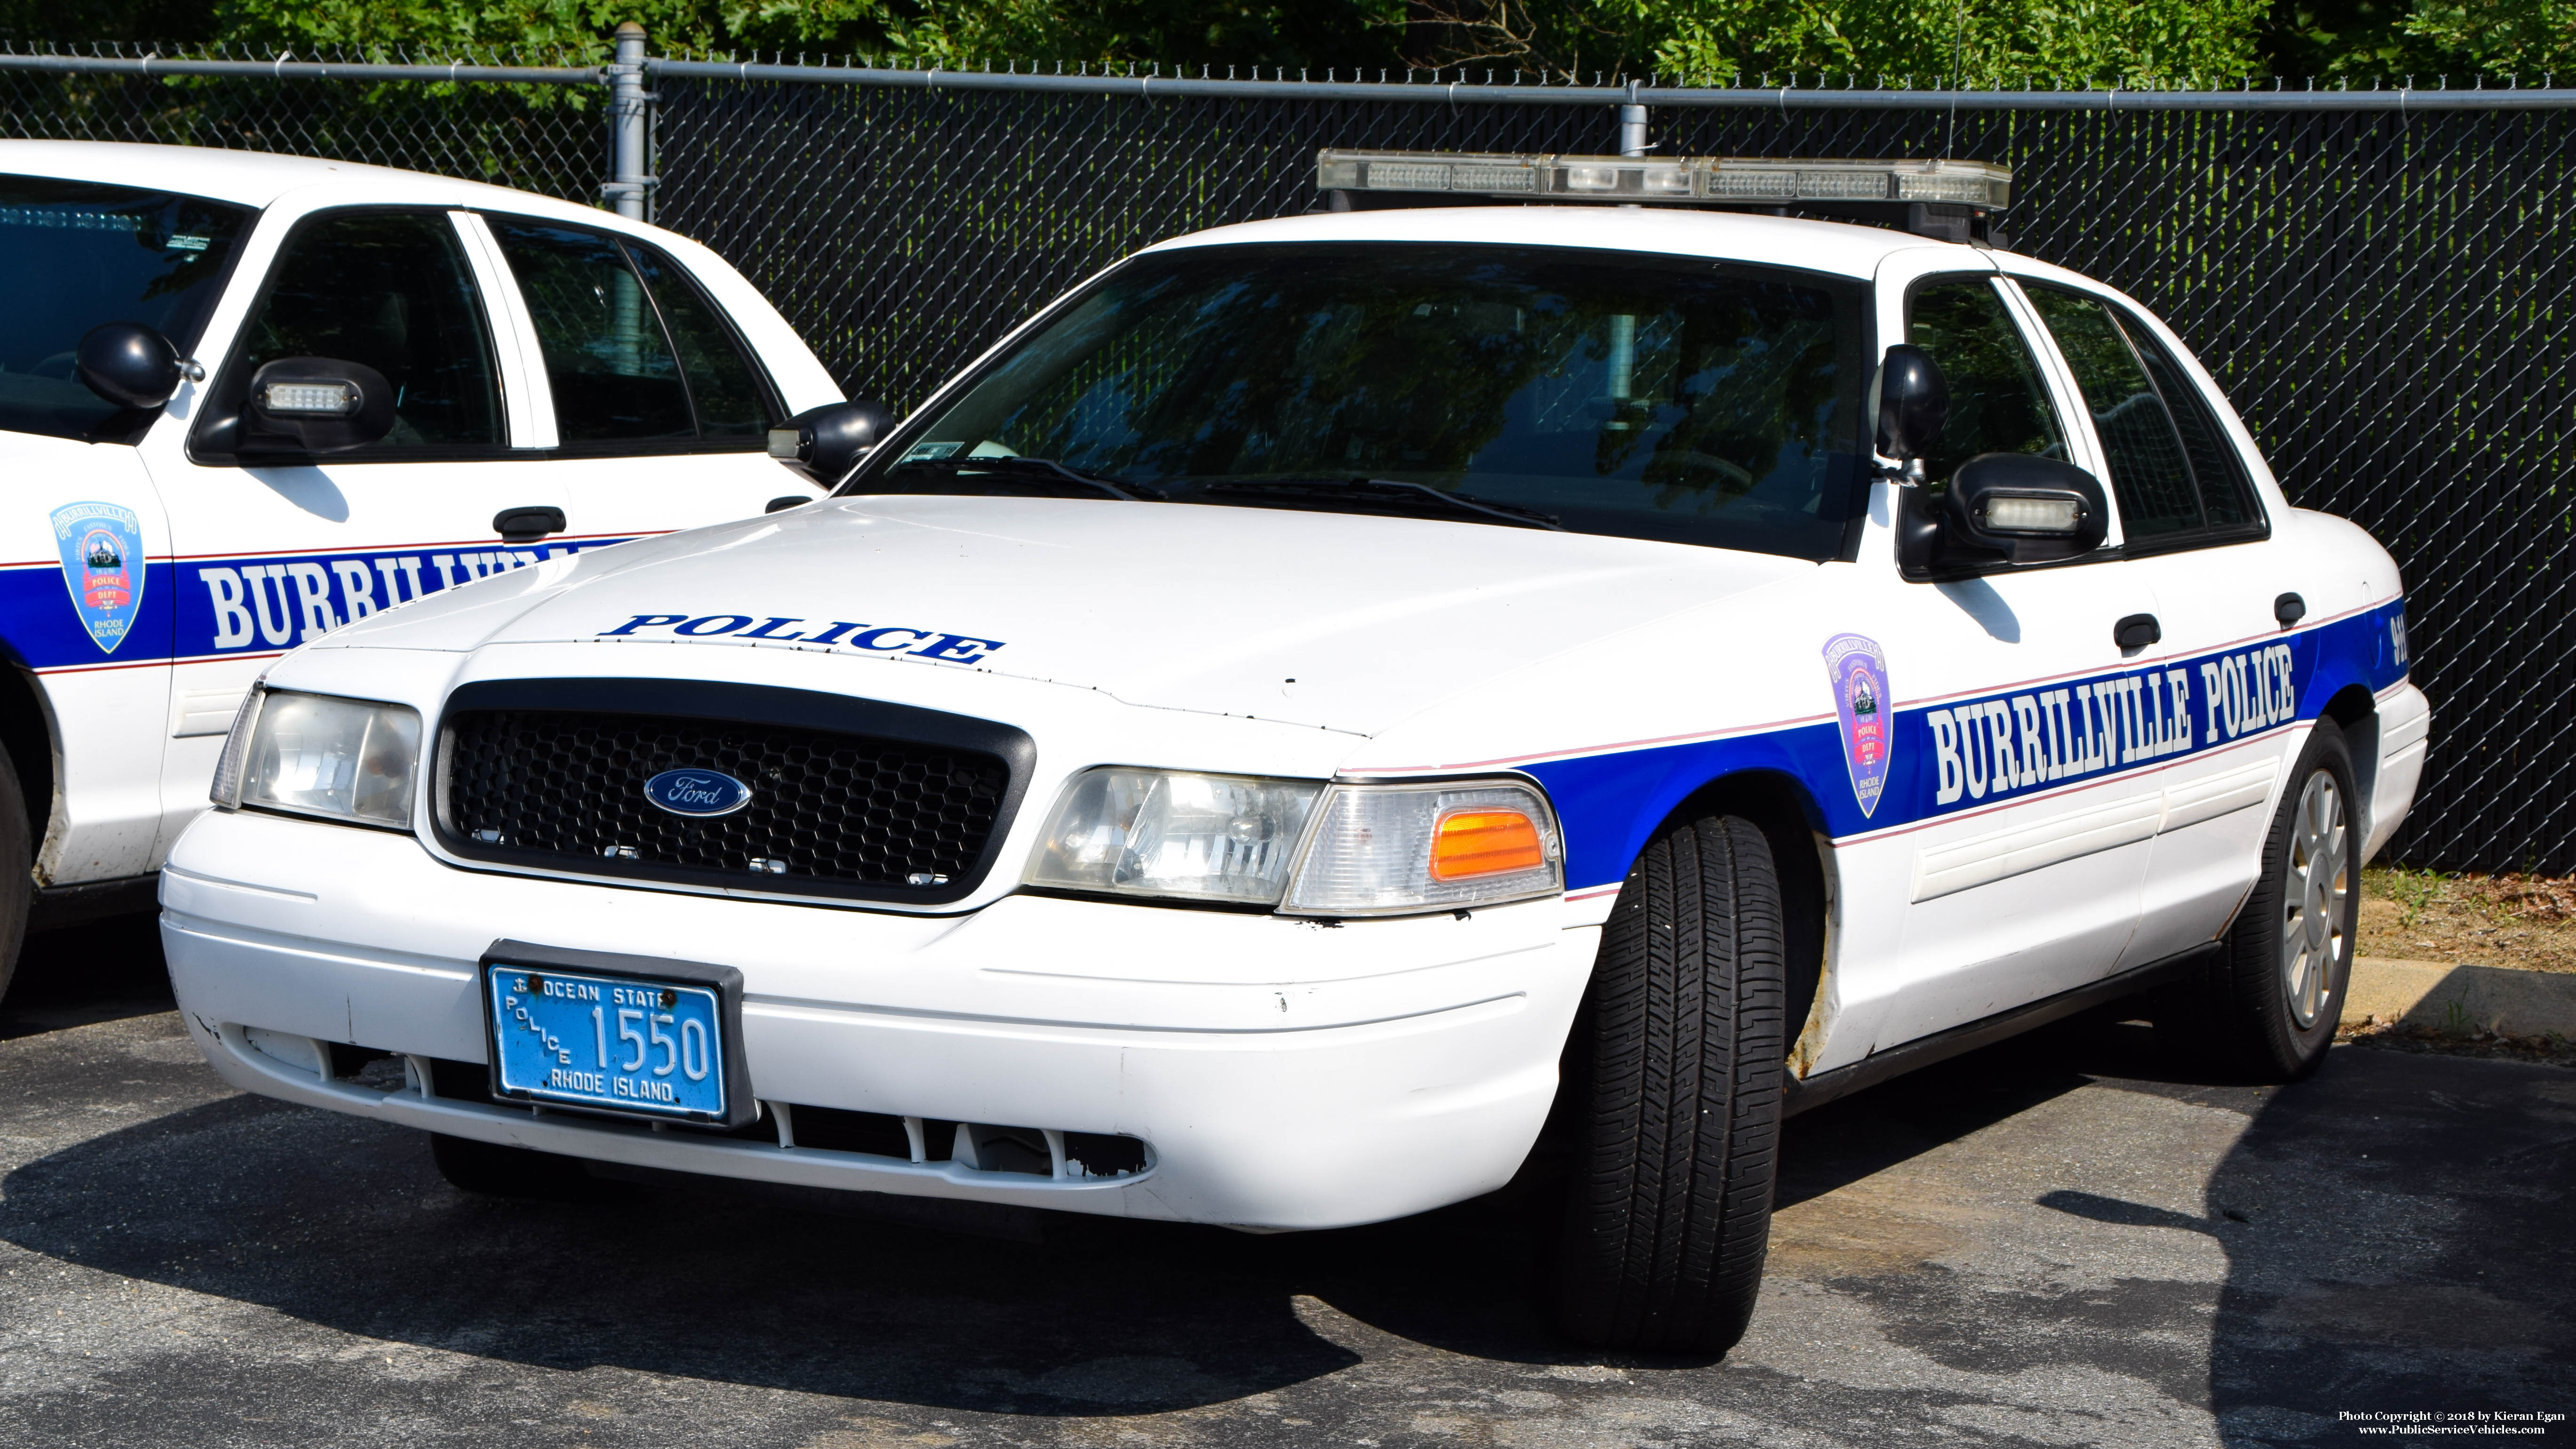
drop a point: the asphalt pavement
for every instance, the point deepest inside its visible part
(2048, 1243)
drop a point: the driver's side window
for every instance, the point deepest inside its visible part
(1998, 399)
(390, 290)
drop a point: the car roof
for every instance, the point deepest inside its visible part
(245, 178)
(1817, 246)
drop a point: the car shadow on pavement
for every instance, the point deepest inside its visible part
(2347, 1286)
(106, 970)
(2396, 1239)
(345, 1224)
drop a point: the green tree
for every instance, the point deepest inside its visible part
(1294, 33)
(2044, 42)
(2501, 37)
(1714, 42)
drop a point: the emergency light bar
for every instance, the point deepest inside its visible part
(1704, 179)
(1951, 200)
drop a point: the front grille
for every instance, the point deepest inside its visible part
(831, 812)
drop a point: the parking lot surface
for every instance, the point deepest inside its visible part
(2048, 1243)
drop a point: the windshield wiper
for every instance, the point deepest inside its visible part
(1383, 490)
(1023, 468)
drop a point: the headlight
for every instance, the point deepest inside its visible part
(1383, 850)
(1183, 836)
(1374, 850)
(314, 754)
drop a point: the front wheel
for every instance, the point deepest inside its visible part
(2267, 1008)
(1678, 1057)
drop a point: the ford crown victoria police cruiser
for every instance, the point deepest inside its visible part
(246, 400)
(1331, 712)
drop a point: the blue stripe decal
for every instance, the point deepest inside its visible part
(1975, 752)
(265, 604)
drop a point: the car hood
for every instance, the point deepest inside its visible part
(1340, 621)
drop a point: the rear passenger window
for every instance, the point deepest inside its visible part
(607, 363)
(1998, 404)
(720, 382)
(633, 354)
(390, 290)
(2172, 470)
(2215, 467)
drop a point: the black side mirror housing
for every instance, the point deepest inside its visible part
(316, 405)
(128, 364)
(1913, 403)
(825, 443)
(2032, 510)
(2006, 509)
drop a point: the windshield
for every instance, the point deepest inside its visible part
(86, 254)
(1667, 398)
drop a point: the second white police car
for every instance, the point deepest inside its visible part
(1339, 708)
(248, 399)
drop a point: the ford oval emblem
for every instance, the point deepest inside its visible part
(697, 792)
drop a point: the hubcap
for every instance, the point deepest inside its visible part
(2316, 879)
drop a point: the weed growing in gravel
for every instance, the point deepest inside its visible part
(2514, 919)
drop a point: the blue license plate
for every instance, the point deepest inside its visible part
(624, 1043)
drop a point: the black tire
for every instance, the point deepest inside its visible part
(1678, 1057)
(492, 1170)
(2266, 1008)
(17, 869)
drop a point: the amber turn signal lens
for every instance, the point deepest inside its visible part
(1475, 843)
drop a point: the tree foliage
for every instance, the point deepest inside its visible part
(1991, 42)
(1717, 42)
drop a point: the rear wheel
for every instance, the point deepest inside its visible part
(2267, 1008)
(493, 1170)
(17, 869)
(1678, 1055)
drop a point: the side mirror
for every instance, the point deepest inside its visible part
(317, 405)
(128, 364)
(825, 443)
(2035, 509)
(1913, 403)
(2002, 508)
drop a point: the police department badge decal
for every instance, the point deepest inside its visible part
(1866, 709)
(102, 549)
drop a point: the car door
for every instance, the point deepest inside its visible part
(273, 549)
(2023, 871)
(656, 412)
(87, 577)
(2195, 528)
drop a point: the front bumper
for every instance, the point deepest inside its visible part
(1283, 1074)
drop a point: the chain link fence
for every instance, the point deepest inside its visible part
(2385, 293)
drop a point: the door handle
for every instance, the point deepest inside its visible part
(2137, 631)
(2289, 609)
(527, 525)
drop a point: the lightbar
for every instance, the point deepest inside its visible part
(1723, 180)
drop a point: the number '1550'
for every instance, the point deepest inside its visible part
(686, 1054)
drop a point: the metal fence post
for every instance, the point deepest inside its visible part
(1632, 125)
(630, 184)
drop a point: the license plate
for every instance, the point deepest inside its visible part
(622, 1043)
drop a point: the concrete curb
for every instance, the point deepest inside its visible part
(2429, 993)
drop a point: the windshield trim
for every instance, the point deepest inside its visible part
(917, 422)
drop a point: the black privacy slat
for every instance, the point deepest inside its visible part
(841, 809)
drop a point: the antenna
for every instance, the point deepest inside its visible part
(1958, 39)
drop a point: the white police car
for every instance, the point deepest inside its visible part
(248, 399)
(1325, 694)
